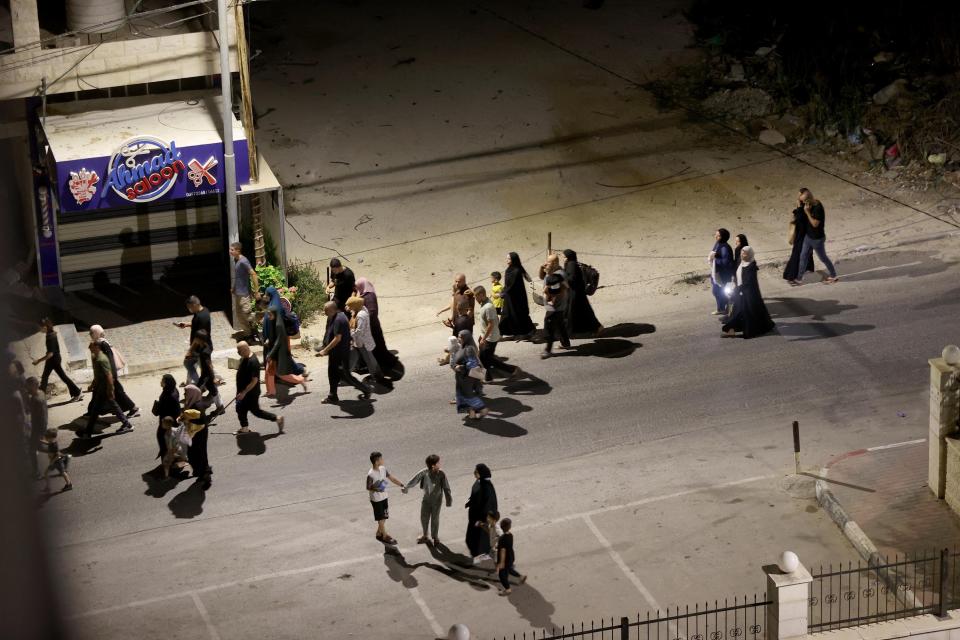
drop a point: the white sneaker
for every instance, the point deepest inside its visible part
(481, 558)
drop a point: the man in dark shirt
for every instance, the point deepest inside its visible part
(343, 283)
(248, 390)
(199, 322)
(815, 238)
(104, 396)
(336, 345)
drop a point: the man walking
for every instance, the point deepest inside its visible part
(343, 283)
(242, 276)
(248, 390)
(377, 487)
(816, 237)
(199, 322)
(336, 345)
(435, 487)
(126, 404)
(103, 394)
(490, 336)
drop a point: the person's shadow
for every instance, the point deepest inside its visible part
(399, 570)
(252, 443)
(528, 385)
(157, 486)
(189, 504)
(355, 409)
(80, 447)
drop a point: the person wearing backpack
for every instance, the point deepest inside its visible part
(580, 316)
(276, 350)
(435, 487)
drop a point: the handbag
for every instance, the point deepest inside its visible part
(477, 372)
(536, 295)
(156, 408)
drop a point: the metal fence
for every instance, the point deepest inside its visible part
(885, 589)
(742, 619)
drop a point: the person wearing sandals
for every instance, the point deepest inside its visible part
(377, 479)
(435, 487)
(468, 387)
(815, 238)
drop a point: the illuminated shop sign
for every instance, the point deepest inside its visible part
(144, 169)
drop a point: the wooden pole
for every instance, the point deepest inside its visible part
(549, 242)
(246, 117)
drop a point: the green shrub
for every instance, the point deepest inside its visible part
(310, 290)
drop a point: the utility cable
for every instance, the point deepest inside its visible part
(716, 120)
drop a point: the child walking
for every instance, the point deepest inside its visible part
(377, 486)
(505, 558)
(435, 487)
(496, 291)
(55, 459)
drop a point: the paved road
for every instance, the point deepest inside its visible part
(646, 469)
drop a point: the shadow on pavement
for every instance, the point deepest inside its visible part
(803, 307)
(602, 348)
(947, 299)
(529, 385)
(627, 330)
(806, 331)
(157, 487)
(399, 570)
(892, 264)
(189, 504)
(506, 407)
(532, 606)
(252, 443)
(496, 427)
(355, 409)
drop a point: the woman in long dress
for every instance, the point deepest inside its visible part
(387, 361)
(468, 388)
(799, 223)
(580, 316)
(515, 318)
(483, 500)
(276, 347)
(750, 316)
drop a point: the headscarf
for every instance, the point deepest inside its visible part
(96, 333)
(743, 243)
(746, 257)
(483, 471)
(354, 303)
(169, 384)
(274, 297)
(364, 286)
(466, 339)
(570, 254)
(516, 264)
(191, 396)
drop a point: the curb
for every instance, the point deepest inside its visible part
(860, 541)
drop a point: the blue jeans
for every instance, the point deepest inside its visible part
(190, 364)
(809, 246)
(719, 296)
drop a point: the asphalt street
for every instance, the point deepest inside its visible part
(660, 422)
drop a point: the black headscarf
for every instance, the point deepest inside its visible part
(483, 471)
(724, 234)
(742, 237)
(570, 254)
(516, 264)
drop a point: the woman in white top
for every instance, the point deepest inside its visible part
(362, 340)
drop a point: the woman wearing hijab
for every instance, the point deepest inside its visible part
(166, 406)
(580, 316)
(515, 318)
(468, 387)
(483, 500)
(387, 361)
(798, 231)
(127, 405)
(197, 453)
(738, 248)
(749, 315)
(361, 337)
(276, 352)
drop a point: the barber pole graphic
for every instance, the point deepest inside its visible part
(83, 185)
(200, 172)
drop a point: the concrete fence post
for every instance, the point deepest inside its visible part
(789, 595)
(943, 421)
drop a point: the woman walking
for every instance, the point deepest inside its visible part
(798, 231)
(738, 249)
(52, 362)
(361, 337)
(483, 500)
(387, 361)
(515, 318)
(750, 314)
(197, 452)
(468, 387)
(166, 406)
(580, 316)
(276, 348)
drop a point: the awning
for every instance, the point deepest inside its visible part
(151, 152)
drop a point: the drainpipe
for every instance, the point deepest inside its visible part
(229, 161)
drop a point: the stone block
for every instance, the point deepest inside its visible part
(791, 628)
(141, 46)
(794, 610)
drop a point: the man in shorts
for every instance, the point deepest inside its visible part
(377, 486)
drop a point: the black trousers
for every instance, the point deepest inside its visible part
(55, 365)
(122, 398)
(99, 405)
(251, 404)
(490, 361)
(338, 369)
(197, 453)
(556, 323)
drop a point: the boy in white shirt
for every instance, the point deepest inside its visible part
(377, 486)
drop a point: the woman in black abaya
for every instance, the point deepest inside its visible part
(799, 227)
(750, 314)
(515, 318)
(483, 500)
(580, 316)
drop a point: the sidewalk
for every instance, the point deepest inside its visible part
(884, 490)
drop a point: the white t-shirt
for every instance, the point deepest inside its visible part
(488, 316)
(378, 478)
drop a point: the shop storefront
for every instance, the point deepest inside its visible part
(133, 195)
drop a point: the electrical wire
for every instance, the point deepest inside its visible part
(717, 120)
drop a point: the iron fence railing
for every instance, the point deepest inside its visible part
(742, 619)
(883, 589)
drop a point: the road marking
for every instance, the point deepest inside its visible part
(415, 594)
(881, 268)
(205, 615)
(623, 565)
(194, 593)
(896, 445)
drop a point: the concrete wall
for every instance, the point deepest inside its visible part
(110, 64)
(927, 627)
(952, 491)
